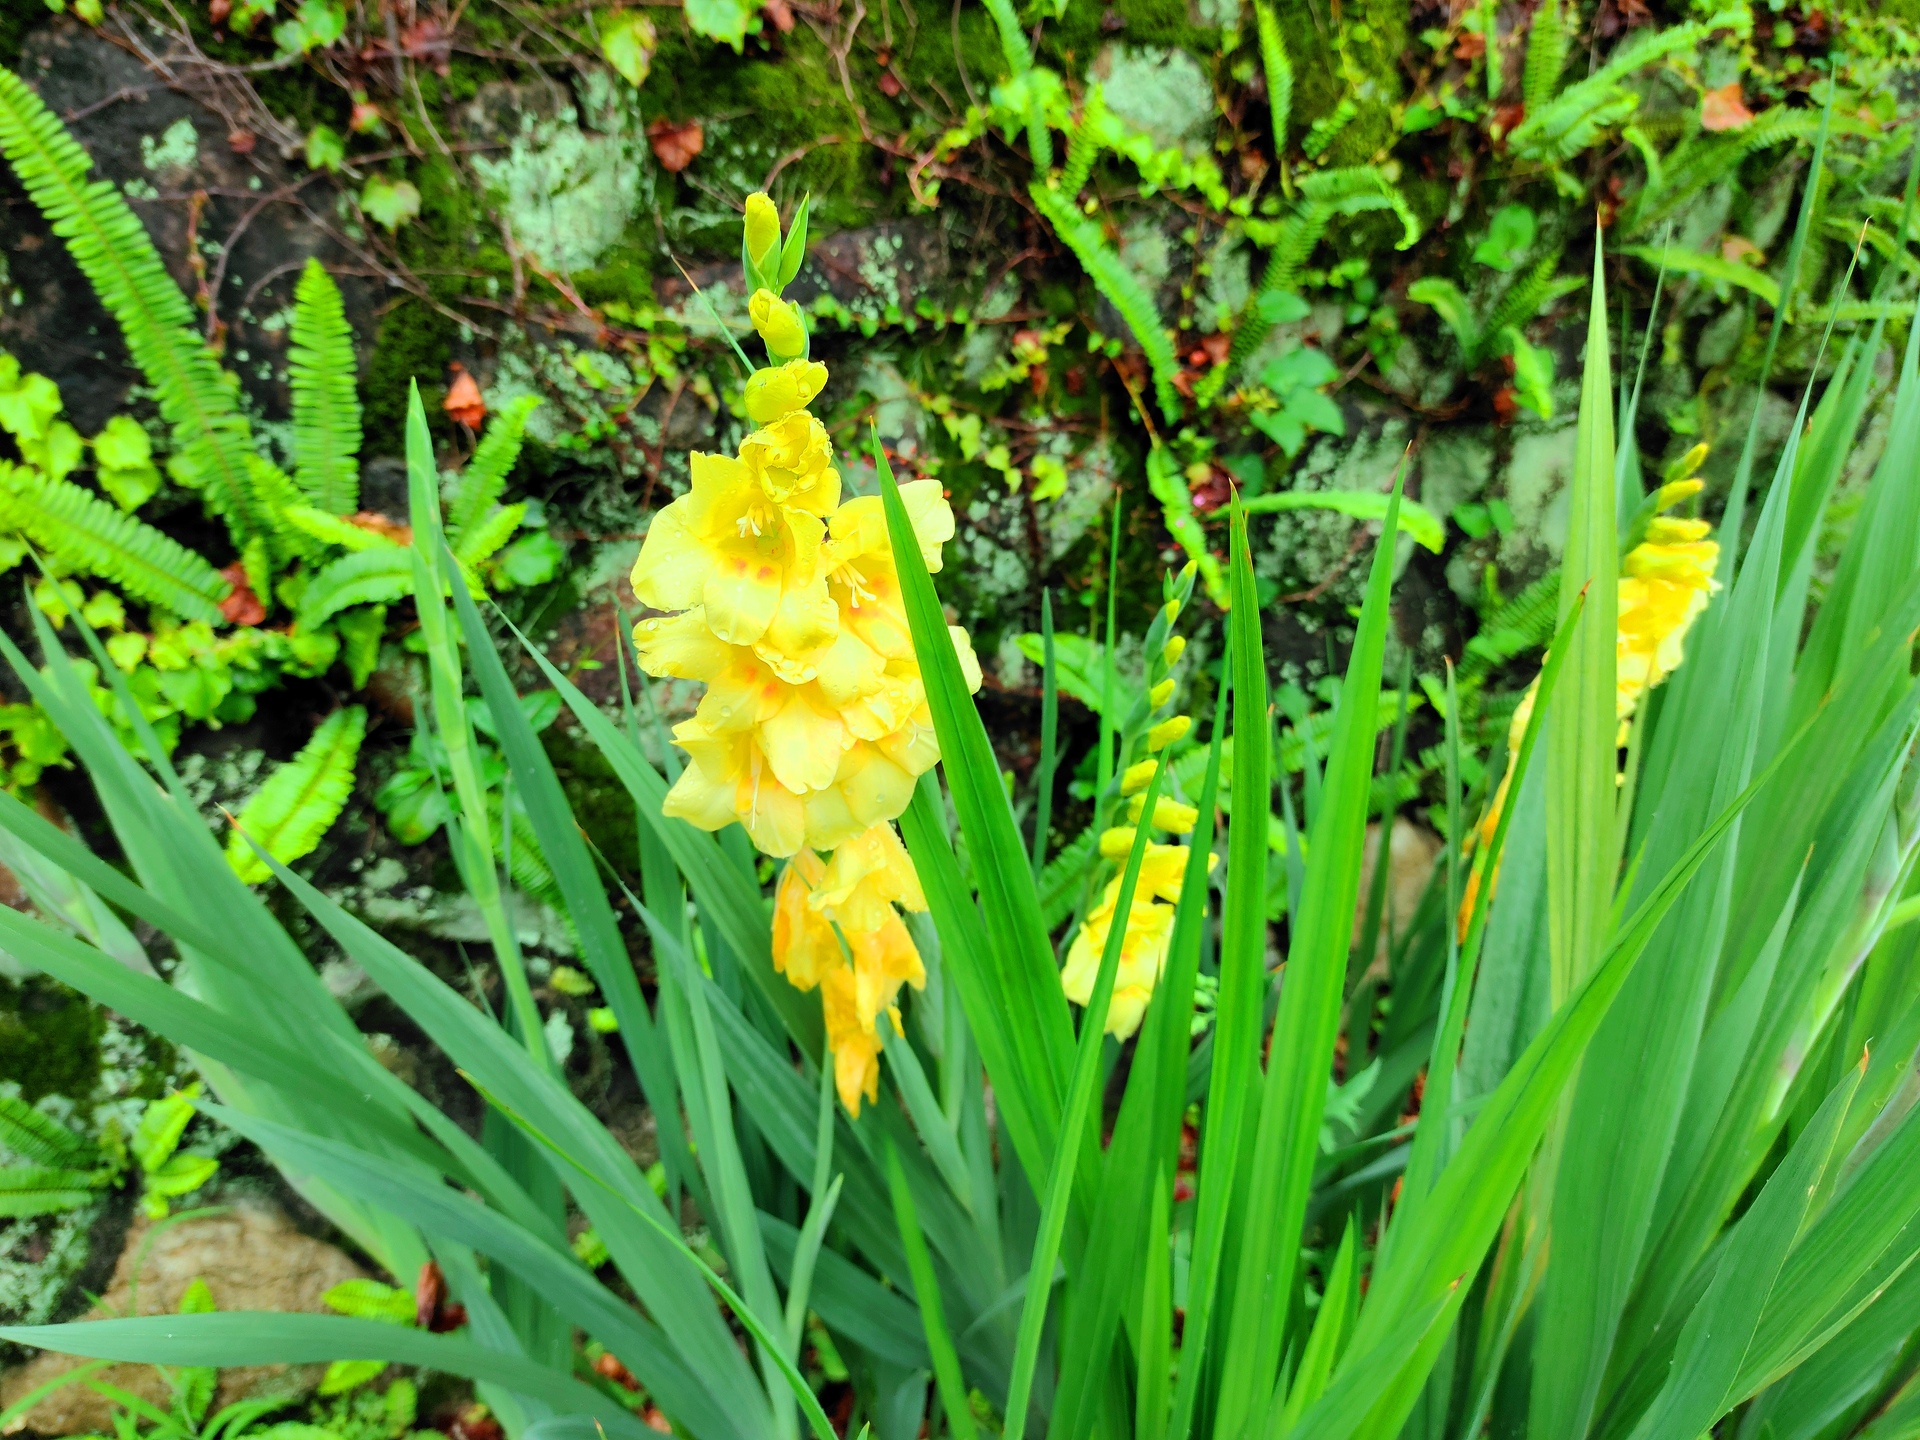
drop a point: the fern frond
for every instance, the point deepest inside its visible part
(1711, 267)
(332, 530)
(1527, 296)
(479, 541)
(40, 1138)
(326, 402)
(1120, 285)
(1083, 143)
(78, 531)
(479, 486)
(1169, 487)
(1279, 68)
(29, 1190)
(365, 577)
(1559, 128)
(287, 816)
(1546, 55)
(211, 437)
(1701, 159)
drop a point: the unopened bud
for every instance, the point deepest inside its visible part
(782, 389)
(780, 325)
(1117, 843)
(1137, 777)
(1168, 731)
(763, 230)
(1160, 694)
(1167, 814)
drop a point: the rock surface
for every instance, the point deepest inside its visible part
(251, 1257)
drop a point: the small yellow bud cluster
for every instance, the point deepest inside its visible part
(784, 599)
(1149, 922)
(1665, 582)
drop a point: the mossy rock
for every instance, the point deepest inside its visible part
(49, 1038)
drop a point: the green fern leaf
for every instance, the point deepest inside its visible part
(212, 440)
(41, 1139)
(479, 541)
(287, 816)
(479, 486)
(1528, 296)
(1546, 55)
(78, 531)
(1716, 268)
(326, 403)
(332, 530)
(29, 1190)
(365, 577)
(1083, 143)
(1279, 68)
(1119, 284)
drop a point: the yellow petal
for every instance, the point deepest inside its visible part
(850, 669)
(804, 623)
(741, 593)
(703, 796)
(829, 821)
(866, 877)
(672, 563)
(803, 741)
(740, 696)
(680, 646)
(1167, 814)
(1137, 776)
(888, 950)
(772, 815)
(804, 945)
(1116, 842)
(874, 788)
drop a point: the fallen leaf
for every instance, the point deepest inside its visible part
(890, 85)
(1470, 46)
(1742, 251)
(780, 12)
(676, 143)
(241, 142)
(242, 606)
(464, 401)
(1723, 109)
(218, 10)
(365, 117)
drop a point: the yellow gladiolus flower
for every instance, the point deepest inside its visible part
(1117, 842)
(727, 546)
(1143, 955)
(1137, 776)
(763, 230)
(1160, 694)
(1176, 647)
(814, 728)
(780, 324)
(782, 389)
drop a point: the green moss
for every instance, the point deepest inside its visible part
(49, 1039)
(414, 342)
(1365, 67)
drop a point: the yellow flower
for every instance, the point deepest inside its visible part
(728, 779)
(782, 389)
(762, 230)
(1664, 587)
(853, 1038)
(1137, 776)
(1143, 955)
(804, 945)
(1161, 693)
(1176, 647)
(1116, 842)
(791, 459)
(727, 546)
(866, 878)
(780, 324)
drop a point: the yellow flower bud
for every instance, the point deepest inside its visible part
(1168, 731)
(783, 389)
(1137, 777)
(1175, 648)
(1116, 843)
(763, 230)
(1672, 494)
(779, 324)
(1687, 463)
(1665, 531)
(1167, 814)
(1160, 694)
